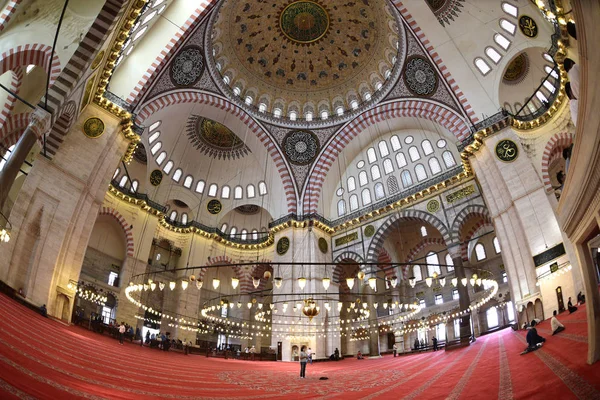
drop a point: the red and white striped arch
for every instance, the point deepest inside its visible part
(170, 49)
(127, 228)
(423, 244)
(552, 151)
(193, 96)
(414, 26)
(477, 230)
(470, 211)
(8, 13)
(396, 109)
(15, 84)
(36, 54)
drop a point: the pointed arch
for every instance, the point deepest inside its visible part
(466, 213)
(37, 54)
(127, 228)
(477, 230)
(15, 85)
(423, 244)
(552, 151)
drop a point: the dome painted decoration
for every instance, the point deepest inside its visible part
(215, 139)
(248, 209)
(420, 76)
(301, 147)
(187, 67)
(304, 22)
(516, 70)
(445, 10)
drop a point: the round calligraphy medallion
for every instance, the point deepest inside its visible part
(156, 177)
(528, 26)
(283, 245)
(507, 150)
(369, 231)
(214, 207)
(93, 127)
(433, 206)
(323, 246)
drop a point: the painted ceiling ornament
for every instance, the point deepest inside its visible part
(187, 67)
(420, 76)
(248, 209)
(93, 127)
(301, 147)
(517, 70)
(304, 22)
(433, 206)
(215, 139)
(445, 10)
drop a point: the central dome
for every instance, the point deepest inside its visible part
(304, 59)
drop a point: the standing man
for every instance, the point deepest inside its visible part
(121, 332)
(303, 359)
(252, 351)
(395, 349)
(435, 344)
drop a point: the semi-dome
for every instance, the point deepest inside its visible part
(304, 60)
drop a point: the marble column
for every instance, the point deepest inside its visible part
(463, 294)
(39, 124)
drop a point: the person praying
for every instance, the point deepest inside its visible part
(555, 324)
(571, 307)
(533, 339)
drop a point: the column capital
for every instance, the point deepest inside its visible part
(39, 122)
(454, 251)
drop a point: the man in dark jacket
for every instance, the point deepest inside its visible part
(533, 339)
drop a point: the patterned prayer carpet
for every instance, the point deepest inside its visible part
(41, 358)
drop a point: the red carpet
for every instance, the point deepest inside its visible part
(41, 358)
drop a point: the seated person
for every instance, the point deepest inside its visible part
(580, 298)
(359, 355)
(44, 311)
(571, 307)
(556, 325)
(533, 339)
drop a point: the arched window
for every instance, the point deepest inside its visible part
(449, 263)
(427, 147)
(236, 91)
(212, 190)
(432, 259)
(406, 179)
(232, 232)
(225, 192)
(340, 111)
(550, 87)
(371, 156)
(492, 317)
(341, 208)
(351, 183)
(200, 187)
(262, 107)
(448, 159)
(123, 181)
(388, 167)
(153, 137)
(277, 112)
(551, 71)
(510, 9)
(362, 178)
(496, 245)
(379, 192)
(423, 231)
(366, 197)
(508, 26)
(324, 114)
(244, 234)
(173, 216)
(493, 54)
(480, 252)
(392, 184)
(250, 191)
(413, 153)
(383, 149)
(434, 166)
(354, 104)
(482, 66)
(188, 181)
(353, 202)
(395, 143)
(2, 162)
(161, 157)
(540, 96)
(154, 125)
(134, 186)
(417, 273)
(177, 174)
(420, 172)
(375, 172)
(184, 218)
(400, 160)
(224, 228)
(168, 167)
(262, 188)
(156, 148)
(254, 234)
(293, 115)
(502, 41)
(238, 192)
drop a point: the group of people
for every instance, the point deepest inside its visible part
(534, 340)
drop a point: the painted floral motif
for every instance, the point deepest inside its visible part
(420, 77)
(188, 66)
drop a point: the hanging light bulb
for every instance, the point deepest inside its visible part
(326, 283)
(230, 305)
(365, 305)
(412, 281)
(464, 281)
(350, 282)
(394, 281)
(373, 283)
(360, 275)
(172, 285)
(153, 286)
(216, 282)
(454, 282)
(478, 281)
(301, 283)
(184, 284)
(199, 284)
(352, 305)
(235, 282)
(271, 306)
(239, 304)
(327, 307)
(146, 287)
(385, 305)
(298, 306)
(285, 307)
(260, 306)
(429, 281)
(443, 281)
(161, 285)
(278, 281)
(256, 282)
(249, 305)
(375, 305)
(339, 306)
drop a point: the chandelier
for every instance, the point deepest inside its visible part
(310, 309)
